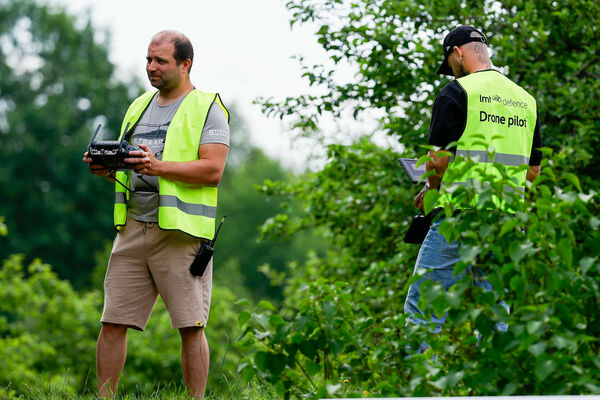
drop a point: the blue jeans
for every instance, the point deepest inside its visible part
(436, 260)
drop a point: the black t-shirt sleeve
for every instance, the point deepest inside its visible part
(536, 155)
(448, 116)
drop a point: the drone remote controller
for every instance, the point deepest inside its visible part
(111, 154)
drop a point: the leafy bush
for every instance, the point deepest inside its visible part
(47, 330)
(48, 334)
(342, 331)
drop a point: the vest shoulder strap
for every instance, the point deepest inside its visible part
(136, 109)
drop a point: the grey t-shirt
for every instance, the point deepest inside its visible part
(151, 130)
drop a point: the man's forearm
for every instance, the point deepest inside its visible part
(434, 181)
(533, 172)
(206, 170)
(200, 172)
(437, 164)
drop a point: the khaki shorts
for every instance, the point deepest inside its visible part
(147, 261)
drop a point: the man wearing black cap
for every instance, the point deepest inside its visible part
(480, 101)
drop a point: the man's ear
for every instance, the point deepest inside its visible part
(187, 64)
(459, 52)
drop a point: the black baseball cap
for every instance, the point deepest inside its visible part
(457, 37)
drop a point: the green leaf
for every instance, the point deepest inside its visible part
(544, 368)
(243, 364)
(509, 389)
(468, 253)
(267, 305)
(508, 226)
(453, 298)
(262, 319)
(367, 323)
(485, 231)
(534, 327)
(430, 200)
(450, 380)
(242, 302)
(276, 320)
(280, 390)
(329, 309)
(260, 360)
(593, 388)
(304, 322)
(518, 251)
(573, 179)
(537, 349)
(275, 363)
(480, 136)
(451, 145)
(423, 159)
(565, 249)
(248, 374)
(561, 343)
(586, 263)
(243, 317)
(321, 392)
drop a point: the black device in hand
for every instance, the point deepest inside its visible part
(111, 154)
(419, 225)
(418, 229)
(205, 254)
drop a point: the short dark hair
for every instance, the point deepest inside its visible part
(183, 50)
(183, 46)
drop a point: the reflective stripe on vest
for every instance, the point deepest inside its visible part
(185, 207)
(120, 198)
(483, 185)
(501, 118)
(188, 208)
(502, 158)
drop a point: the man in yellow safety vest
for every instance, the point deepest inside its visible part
(479, 103)
(165, 207)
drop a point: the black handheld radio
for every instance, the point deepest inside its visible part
(205, 254)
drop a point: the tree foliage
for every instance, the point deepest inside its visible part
(56, 84)
(243, 259)
(341, 331)
(550, 48)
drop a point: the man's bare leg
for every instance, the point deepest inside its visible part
(110, 358)
(194, 360)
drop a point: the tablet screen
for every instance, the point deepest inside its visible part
(411, 169)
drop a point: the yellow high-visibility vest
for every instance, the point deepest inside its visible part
(501, 118)
(190, 208)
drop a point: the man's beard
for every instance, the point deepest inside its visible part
(157, 82)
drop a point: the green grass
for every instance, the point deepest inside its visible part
(171, 392)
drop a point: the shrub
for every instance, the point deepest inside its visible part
(342, 331)
(48, 334)
(47, 330)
